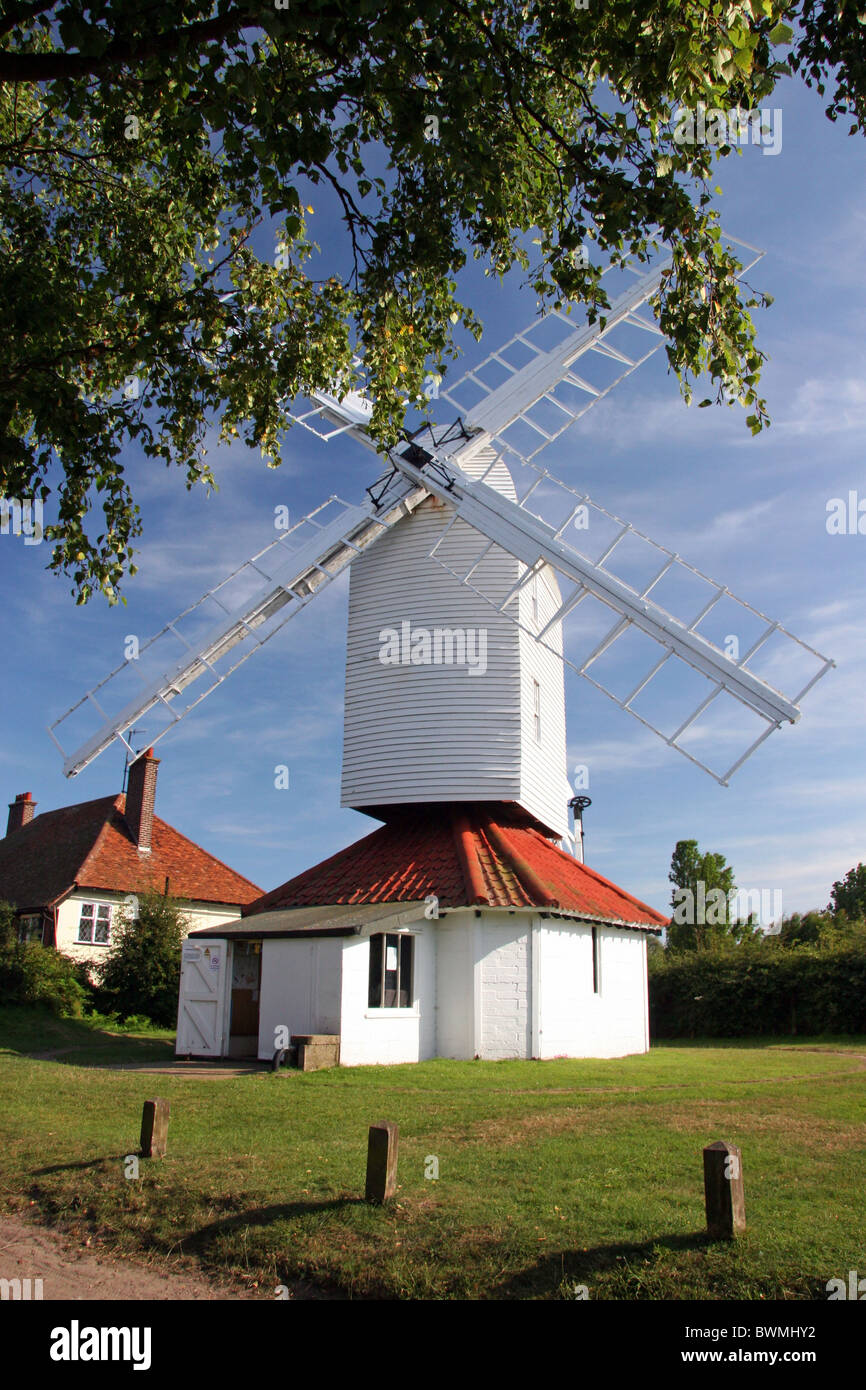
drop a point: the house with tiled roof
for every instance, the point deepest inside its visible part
(69, 872)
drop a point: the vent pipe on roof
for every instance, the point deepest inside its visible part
(140, 799)
(21, 812)
(578, 805)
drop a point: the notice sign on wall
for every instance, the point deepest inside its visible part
(215, 960)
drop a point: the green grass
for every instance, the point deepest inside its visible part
(551, 1174)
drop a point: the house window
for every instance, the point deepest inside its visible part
(596, 961)
(94, 925)
(535, 597)
(536, 709)
(30, 928)
(390, 984)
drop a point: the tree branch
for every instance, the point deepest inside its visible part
(44, 67)
(21, 14)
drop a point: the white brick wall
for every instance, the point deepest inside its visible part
(505, 1026)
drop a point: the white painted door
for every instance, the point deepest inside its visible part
(201, 1014)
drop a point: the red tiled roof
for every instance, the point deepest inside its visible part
(468, 855)
(89, 845)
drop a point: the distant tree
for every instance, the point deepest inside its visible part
(655, 951)
(804, 929)
(142, 972)
(849, 894)
(700, 901)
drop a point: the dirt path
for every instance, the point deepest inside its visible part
(71, 1271)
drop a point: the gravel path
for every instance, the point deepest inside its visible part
(71, 1270)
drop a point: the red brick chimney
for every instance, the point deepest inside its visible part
(140, 796)
(20, 812)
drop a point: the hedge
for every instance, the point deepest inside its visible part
(40, 976)
(745, 992)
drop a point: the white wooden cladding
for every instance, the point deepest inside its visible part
(433, 732)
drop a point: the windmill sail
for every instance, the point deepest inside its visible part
(194, 653)
(630, 588)
(537, 385)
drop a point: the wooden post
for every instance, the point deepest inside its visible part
(723, 1191)
(381, 1162)
(154, 1128)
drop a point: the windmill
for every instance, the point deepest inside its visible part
(466, 533)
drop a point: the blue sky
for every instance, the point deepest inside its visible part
(749, 512)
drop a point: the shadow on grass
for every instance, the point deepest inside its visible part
(83, 1164)
(549, 1273)
(41, 1036)
(198, 1242)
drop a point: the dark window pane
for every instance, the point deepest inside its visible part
(406, 945)
(391, 969)
(374, 991)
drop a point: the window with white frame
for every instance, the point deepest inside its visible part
(30, 927)
(94, 925)
(536, 710)
(390, 980)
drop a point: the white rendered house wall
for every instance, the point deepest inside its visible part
(69, 917)
(574, 1020)
(300, 988)
(370, 1036)
(497, 986)
(457, 959)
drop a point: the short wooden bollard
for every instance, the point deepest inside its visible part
(723, 1191)
(154, 1128)
(381, 1162)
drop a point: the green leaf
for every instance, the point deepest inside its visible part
(781, 33)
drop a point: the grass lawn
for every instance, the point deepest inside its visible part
(551, 1174)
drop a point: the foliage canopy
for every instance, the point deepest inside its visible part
(153, 159)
